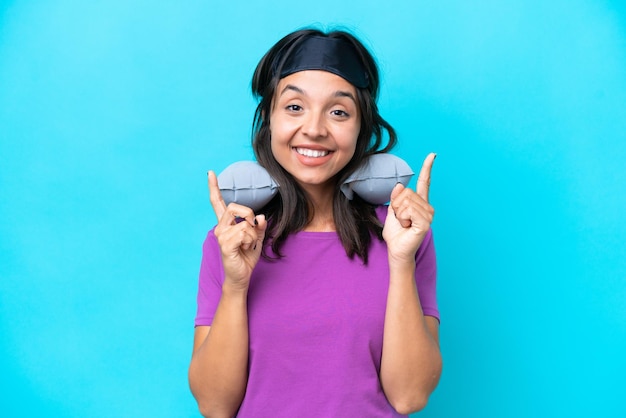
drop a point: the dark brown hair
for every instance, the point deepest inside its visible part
(289, 211)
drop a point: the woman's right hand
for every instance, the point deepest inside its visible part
(240, 236)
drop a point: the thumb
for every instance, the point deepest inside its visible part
(261, 227)
(397, 189)
(261, 224)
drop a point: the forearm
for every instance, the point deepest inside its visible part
(219, 367)
(411, 361)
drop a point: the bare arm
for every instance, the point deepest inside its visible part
(218, 372)
(411, 360)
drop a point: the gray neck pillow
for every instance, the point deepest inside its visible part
(249, 184)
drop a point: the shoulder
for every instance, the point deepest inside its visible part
(210, 238)
(210, 246)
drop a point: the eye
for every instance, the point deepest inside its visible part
(293, 108)
(340, 113)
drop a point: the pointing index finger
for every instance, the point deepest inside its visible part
(423, 181)
(219, 206)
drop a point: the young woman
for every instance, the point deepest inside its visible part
(317, 306)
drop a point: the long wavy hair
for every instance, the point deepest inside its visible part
(289, 212)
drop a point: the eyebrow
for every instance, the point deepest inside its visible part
(292, 87)
(338, 93)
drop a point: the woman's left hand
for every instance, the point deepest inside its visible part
(409, 217)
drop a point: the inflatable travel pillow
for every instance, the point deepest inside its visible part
(249, 184)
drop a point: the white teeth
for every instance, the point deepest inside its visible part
(311, 153)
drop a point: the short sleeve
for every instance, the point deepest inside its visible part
(210, 281)
(426, 276)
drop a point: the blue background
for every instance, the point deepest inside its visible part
(111, 112)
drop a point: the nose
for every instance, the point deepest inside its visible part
(314, 125)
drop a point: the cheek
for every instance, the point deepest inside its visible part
(354, 138)
(352, 147)
(278, 146)
(279, 129)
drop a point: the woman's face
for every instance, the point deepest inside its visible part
(314, 124)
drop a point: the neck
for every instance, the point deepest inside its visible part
(321, 208)
(321, 226)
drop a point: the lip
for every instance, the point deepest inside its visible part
(312, 161)
(313, 147)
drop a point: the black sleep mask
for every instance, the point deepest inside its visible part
(334, 55)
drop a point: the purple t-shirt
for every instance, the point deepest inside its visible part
(316, 325)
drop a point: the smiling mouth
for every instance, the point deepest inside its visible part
(311, 152)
